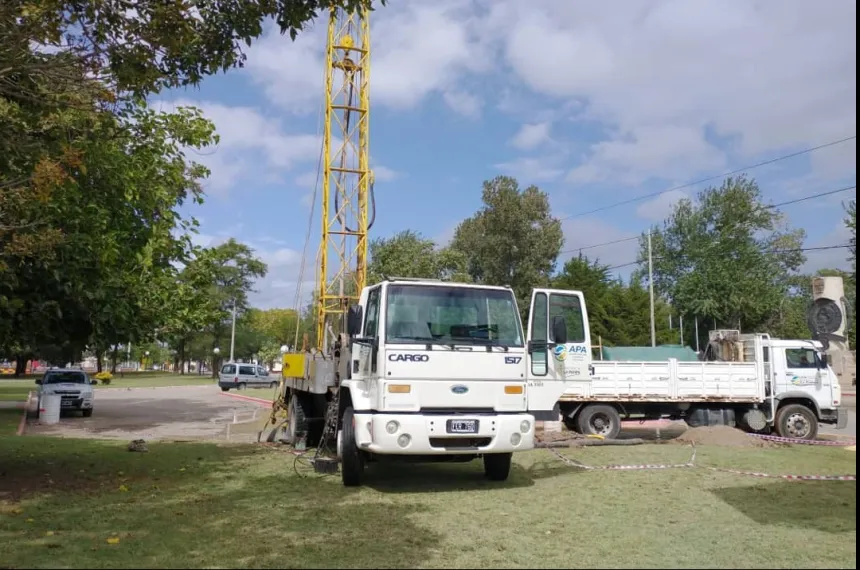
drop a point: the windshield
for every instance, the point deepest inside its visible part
(64, 378)
(421, 313)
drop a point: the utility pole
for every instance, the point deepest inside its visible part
(682, 329)
(233, 331)
(697, 334)
(651, 288)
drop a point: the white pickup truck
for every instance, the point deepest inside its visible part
(760, 384)
(429, 371)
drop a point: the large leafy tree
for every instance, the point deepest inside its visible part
(512, 240)
(408, 254)
(144, 46)
(619, 314)
(727, 257)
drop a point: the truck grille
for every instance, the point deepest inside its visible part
(457, 411)
(66, 393)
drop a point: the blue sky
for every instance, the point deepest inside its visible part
(593, 105)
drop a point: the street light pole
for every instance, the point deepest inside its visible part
(651, 291)
(233, 331)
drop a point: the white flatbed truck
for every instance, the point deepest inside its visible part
(760, 385)
(428, 371)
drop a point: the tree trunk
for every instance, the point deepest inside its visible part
(20, 365)
(113, 359)
(182, 356)
(99, 355)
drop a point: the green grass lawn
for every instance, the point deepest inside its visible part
(197, 505)
(17, 389)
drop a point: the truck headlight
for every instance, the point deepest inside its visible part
(404, 440)
(392, 427)
(516, 438)
(525, 426)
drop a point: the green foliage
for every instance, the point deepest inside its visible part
(407, 254)
(155, 45)
(512, 240)
(851, 224)
(619, 315)
(727, 257)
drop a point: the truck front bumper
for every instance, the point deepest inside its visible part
(415, 434)
(837, 416)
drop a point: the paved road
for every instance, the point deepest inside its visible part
(188, 412)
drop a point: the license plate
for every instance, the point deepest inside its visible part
(462, 426)
(66, 404)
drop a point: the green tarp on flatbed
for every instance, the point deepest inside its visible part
(650, 353)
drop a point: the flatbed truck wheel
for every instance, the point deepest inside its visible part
(352, 460)
(796, 421)
(599, 419)
(497, 466)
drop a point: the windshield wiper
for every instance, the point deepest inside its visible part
(424, 340)
(488, 342)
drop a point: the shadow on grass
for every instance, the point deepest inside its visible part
(400, 477)
(193, 505)
(828, 506)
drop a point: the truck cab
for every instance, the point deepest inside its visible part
(444, 371)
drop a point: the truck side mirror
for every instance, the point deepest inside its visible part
(353, 320)
(559, 330)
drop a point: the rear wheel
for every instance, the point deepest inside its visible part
(225, 389)
(352, 460)
(241, 386)
(796, 421)
(497, 466)
(599, 419)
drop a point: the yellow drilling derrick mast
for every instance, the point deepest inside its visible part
(346, 172)
(307, 398)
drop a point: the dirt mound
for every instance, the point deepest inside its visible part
(553, 436)
(721, 435)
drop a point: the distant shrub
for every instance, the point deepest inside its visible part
(104, 377)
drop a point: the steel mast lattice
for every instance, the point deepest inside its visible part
(347, 178)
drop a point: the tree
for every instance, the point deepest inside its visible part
(155, 45)
(851, 224)
(512, 240)
(408, 254)
(619, 314)
(727, 257)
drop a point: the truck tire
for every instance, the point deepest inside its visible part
(352, 460)
(497, 466)
(796, 421)
(599, 419)
(87, 412)
(296, 424)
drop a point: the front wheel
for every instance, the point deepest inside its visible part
(796, 421)
(352, 460)
(87, 413)
(497, 466)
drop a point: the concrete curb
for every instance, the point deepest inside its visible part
(22, 425)
(109, 387)
(260, 401)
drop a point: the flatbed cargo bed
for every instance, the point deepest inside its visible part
(670, 381)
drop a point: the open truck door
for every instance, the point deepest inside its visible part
(559, 348)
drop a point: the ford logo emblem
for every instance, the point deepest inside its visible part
(459, 389)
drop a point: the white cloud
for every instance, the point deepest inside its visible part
(531, 170)
(531, 135)
(659, 208)
(384, 174)
(419, 49)
(595, 231)
(771, 75)
(247, 137)
(836, 258)
(463, 103)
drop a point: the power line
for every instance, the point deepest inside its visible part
(786, 203)
(711, 178)
(793, 250)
